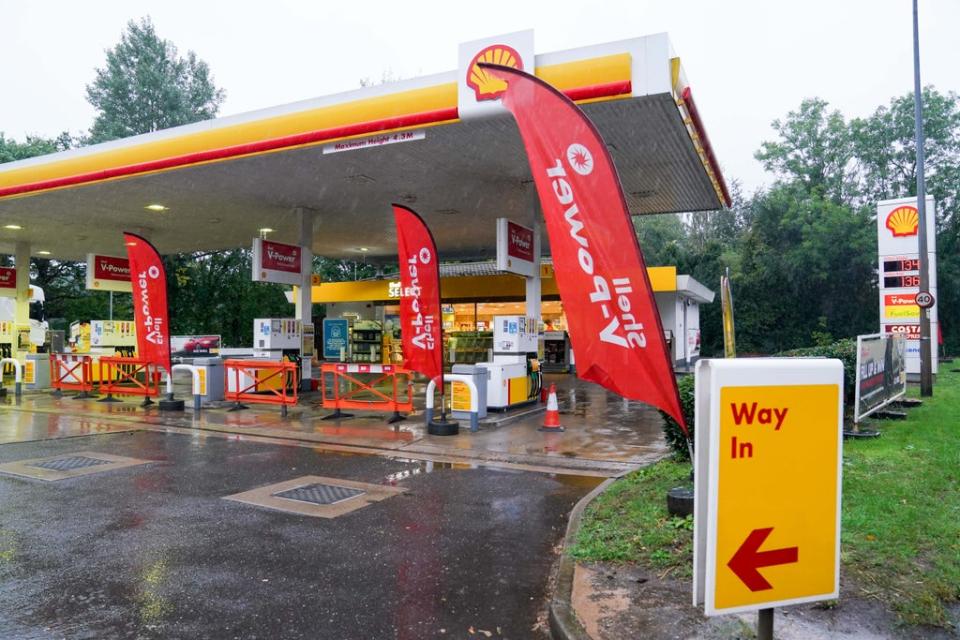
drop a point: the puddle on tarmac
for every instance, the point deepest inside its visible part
(429, 466)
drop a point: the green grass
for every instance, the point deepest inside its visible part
(900, 539)
(901, 508)
(629, 522)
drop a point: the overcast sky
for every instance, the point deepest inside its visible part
(748, 61)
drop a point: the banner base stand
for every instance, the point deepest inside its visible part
(443, 427)
(169, 404)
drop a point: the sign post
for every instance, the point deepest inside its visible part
(767, 484)
(906, 301)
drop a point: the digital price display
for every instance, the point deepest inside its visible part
(890, 282)
(901, 264)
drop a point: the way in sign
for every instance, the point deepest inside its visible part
(750, 414)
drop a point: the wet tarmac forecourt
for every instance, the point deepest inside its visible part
(151, 549)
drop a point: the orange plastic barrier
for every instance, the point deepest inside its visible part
(342, 389)
(71, 372)
(129, 377)
(261, 381)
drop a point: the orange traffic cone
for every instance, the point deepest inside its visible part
(551, 421)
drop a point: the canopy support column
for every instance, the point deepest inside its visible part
(533, 288)
(304, 293)
(22, 310)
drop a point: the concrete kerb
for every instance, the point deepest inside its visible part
(564, 624)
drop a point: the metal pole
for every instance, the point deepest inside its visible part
(110, 316)
(926, 368)
(765, 624)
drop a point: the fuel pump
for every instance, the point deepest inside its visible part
(514, 371)
(279, 339)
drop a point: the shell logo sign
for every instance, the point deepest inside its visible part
(903, 221)
(484, 85)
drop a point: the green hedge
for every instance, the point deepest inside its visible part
(674, 435)
(843, 350)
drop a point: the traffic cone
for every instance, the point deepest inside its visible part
(551, 421)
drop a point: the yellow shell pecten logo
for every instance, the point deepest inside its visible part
(903, 221)
(485, 86)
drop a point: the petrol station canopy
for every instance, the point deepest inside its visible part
(346, 157)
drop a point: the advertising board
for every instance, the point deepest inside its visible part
(277, 262)
(336, 338)
(881, 372)
(108, 273)
(8, 282)
(190, 346)
(515, 248)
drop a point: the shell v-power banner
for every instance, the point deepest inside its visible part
(612, 315)
(149, 280)
(420, 320)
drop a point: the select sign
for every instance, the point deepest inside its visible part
(768, 470)
(925, 300)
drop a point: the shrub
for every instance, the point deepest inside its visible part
(843, 350)
(672, 430)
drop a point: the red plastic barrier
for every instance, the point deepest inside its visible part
(261, 381)
(129, 377)
(342, 389)
(71, 372)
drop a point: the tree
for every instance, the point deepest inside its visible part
(885, 149)
(11, 150)
(146, 86)
(807, 270)
(213, 293)
(814, 150)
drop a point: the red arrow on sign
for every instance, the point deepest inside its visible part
(749, 558)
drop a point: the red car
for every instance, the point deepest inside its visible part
(202, 343)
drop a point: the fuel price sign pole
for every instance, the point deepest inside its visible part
(767, 484)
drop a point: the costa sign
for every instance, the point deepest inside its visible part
(515, 248)
(108, 273)
(911, 331)
(277, 262)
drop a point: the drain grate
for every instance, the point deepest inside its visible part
(319, 493)
(69, 463)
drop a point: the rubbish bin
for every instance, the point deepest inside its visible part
(211, 379)
(480, 376)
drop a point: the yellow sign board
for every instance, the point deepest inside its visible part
(203, 380)
(771, 483)
(459, 396)
(29, 372)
